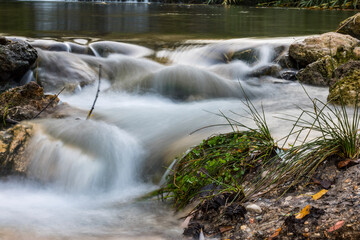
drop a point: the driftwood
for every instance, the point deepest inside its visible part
(97, 95)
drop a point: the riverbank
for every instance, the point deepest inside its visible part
(244, 186)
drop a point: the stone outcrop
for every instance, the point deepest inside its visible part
(345, 85)
(16, 57)
(350, 26)
(13, 142)
(318, 73)
(336, 45)
(25, 102)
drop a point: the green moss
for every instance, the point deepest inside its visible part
(218, 164)
(346, 89)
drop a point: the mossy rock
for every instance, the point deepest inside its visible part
(13, 142)
(345, 85)
(318, 73)
(23, 103)
(219, 163)
(350, 26)
(311, 49)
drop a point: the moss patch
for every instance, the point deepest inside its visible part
(346, 89)
(219, 164)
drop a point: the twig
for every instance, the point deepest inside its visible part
(51, 101)
(97, 95)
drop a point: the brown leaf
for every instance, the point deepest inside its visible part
(336, 226)
(275, 234)
(344, 163)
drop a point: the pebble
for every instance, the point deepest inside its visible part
(253, 208)
(317, 235)
(306, 223)
(306, 230)
(243, 227)
(288, 198)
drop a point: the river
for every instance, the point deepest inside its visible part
(166, 72)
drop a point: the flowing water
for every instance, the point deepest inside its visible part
(164, 75)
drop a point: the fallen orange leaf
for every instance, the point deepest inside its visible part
(344, 163)
(319, 194)
(226, 228)
(336, 226)
(305, 211)
(275, 234)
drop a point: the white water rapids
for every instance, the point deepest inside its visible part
(85, 175)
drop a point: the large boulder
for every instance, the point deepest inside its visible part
(311, 49)
(350, 26)
(318, 73)
(16, 57)
(345, 85)
(13, 159)
(25, 102)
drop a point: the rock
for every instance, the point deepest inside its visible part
(250, 55)
(345, 85)
(350, 26)
(23, 103)
(356, 53)
(13, 158)
(318, 73)
(288, 75)
(311, 49)
(16, 58)
(253, 208)
(270, 70)
(285, 61)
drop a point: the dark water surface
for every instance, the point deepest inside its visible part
(131, 21)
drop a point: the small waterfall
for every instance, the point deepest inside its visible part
(84, 156)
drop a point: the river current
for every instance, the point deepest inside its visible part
(167, 70)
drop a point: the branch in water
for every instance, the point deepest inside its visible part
(97, 95)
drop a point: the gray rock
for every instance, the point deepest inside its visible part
(254, 208)
(16, 58)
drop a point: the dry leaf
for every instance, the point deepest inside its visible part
(305, 211)
(344, 163)
(319, 194)
(336, 226)
(275, 234)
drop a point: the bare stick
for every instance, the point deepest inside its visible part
(51, 101)
(97, 95)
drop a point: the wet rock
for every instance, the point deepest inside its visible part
(253, 208)
(51, 45)
(286, 62)
(249, 56)
(311, 49)
(318, 73)
(289, 75)
(22, 103)
(13, 142)
(270, 70)
(16, 58)
(345, 85)
(350, 26)
(62, 69)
